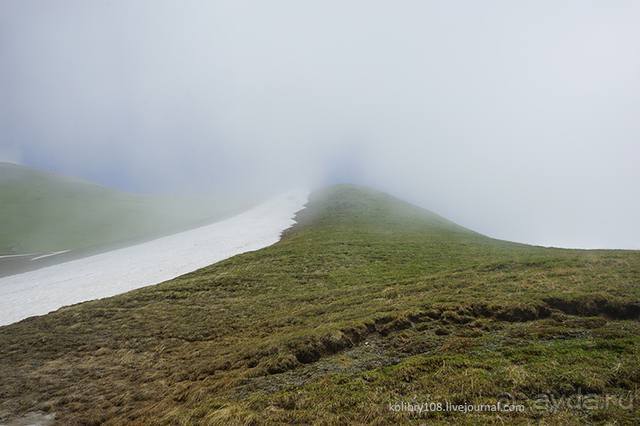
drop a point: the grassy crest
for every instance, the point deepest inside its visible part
(42, 212)
(366, 302)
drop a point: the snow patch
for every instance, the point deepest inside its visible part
(55, 253)
(107, 274)
(8, 256)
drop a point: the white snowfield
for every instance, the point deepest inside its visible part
(107, 274)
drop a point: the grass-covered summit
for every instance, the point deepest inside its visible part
(41, 211)
(367, 302)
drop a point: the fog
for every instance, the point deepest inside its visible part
(520, 120)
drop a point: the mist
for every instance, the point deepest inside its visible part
(519, 120)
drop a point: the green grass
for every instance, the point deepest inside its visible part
(42, 212)
(366, 302)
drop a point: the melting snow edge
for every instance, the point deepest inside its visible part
(118, 271)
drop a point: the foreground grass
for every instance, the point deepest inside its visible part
(365, 303)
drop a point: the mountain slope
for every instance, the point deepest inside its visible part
(366, 302)
(43, 212)
(118, 271)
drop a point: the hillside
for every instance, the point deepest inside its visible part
(44, 212)
(365, 303)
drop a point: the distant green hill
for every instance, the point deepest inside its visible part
(42, 212)
(366, 305)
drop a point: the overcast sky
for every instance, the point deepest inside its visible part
(518, 119)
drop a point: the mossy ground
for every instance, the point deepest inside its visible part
(368, 301)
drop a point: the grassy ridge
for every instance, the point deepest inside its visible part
(366, 302)
(42, 212)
